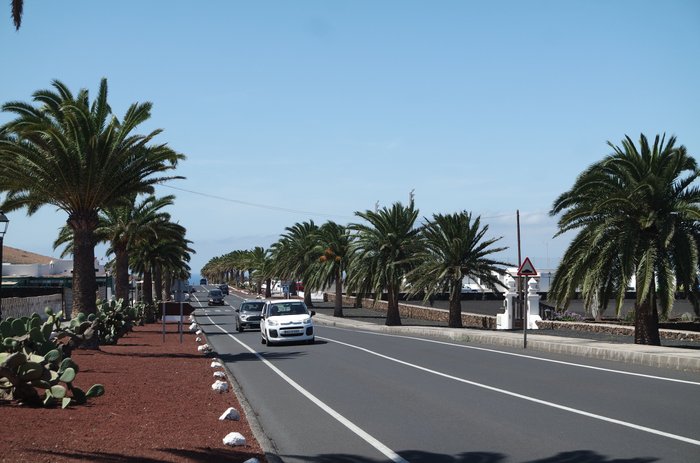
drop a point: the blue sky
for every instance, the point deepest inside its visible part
(317, 109)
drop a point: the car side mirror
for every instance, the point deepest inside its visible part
(313, 312)
(238, 310)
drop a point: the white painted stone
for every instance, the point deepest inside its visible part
(230, 414)
(204, 348)
(193, 326)
(220, 386)
(216, 364)
(219, 374)
(234, 439)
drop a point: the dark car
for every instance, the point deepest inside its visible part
(203, 281)
(248, 314)
(224, 289)
(216, 297)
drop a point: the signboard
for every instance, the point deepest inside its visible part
(526, 268)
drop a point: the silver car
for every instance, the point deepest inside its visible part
(248, 315)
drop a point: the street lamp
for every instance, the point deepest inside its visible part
(4, 221)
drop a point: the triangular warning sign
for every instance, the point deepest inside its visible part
(527, 268)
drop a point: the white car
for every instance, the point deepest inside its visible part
(286, 320)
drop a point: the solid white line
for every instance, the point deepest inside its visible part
(386, 451)
(523, 397)
(532, 357)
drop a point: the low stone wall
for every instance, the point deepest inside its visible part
(607, 328)
(486, 322)
(17, 307)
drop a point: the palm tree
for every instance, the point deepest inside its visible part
(294, 253)
(333, 251)
(73, 154)
(636, 211)
(453, 247)
(261, 268)
(165, 244)
(124, 225)
(383, 252)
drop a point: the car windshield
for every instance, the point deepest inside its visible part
(289, 308)
(252, 306)
(215, 293)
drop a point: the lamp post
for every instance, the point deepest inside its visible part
(4, 221)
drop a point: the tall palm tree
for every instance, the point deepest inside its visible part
(383, 252)
(261, 268)
(333, 251)
(166, 244)
(73, 154)
(294, 253)
(126, 224)
(454, 247)
(636, 211)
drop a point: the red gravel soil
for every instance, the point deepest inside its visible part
(158, 406)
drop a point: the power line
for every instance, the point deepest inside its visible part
(317, 214)
(261, 206)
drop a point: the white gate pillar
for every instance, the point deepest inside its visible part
(533, 304)
(504, 321)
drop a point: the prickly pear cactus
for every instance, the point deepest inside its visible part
(24, 377)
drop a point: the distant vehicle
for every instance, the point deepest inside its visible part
(216, 297)
(224, 288)
(203, 281)
(286, 320)
(248, 314)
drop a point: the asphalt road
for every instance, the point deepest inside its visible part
(363, 397)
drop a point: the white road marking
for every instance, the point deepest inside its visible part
(524, 397)
(386, 451)
(532, 357)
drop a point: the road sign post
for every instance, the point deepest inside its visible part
(526, 269)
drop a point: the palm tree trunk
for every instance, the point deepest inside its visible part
(393, 316)
(158, 280)
(307, 298)
(268, 289)
(122, 273)
(338, 307)
(455, 317)
(84, 280)
(167, 285)
(148, 287)
(646, 323)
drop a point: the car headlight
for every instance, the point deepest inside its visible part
(272, 322)
(244, 317)
(307, 321)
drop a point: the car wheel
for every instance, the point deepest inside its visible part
(311, 341)
(239, 327)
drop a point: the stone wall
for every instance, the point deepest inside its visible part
(609, 328)
(487, 322)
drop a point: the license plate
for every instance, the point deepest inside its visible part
(292, 331)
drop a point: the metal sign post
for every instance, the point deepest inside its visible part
(526, 269)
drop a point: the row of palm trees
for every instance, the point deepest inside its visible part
(72, 153)
(386, 254)
(636, 213)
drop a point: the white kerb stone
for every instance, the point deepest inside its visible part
(230, 414)
(220, 386)
(234, 439)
